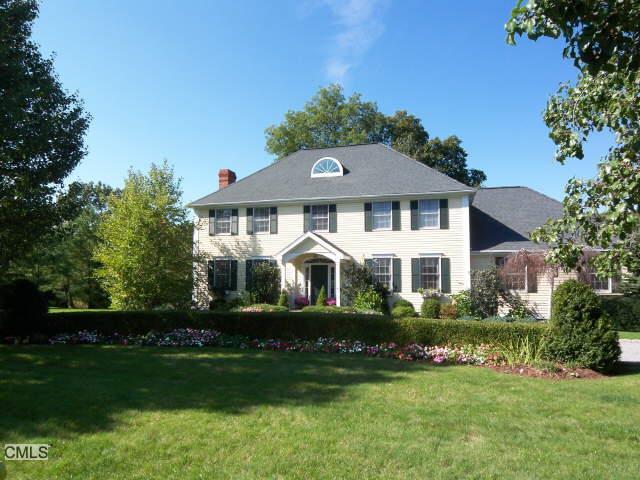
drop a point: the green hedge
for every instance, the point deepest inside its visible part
(624, 312)
(288, 325)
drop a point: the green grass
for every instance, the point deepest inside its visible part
(630, 335)
(131, 412)
(66, 310)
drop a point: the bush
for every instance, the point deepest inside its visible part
(580, 332)
(448, 310)
(265, 283)
(328, 309)
(322, 297)
(290, 325)
(400, 311)
(23, 309)
(368, 299)
(516, 307)
(301, 301)
(623, 311)
(462, 302)
(261, 307)
(430, 308)
(401, 302)
(283, 299)
(485, 292)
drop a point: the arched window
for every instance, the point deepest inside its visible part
(327, 167)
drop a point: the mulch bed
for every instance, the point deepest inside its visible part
(561, 374)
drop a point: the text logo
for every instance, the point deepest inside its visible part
(26, 451)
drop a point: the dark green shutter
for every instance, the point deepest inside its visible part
(211, 274)
(368, 217)
(249, 221)
(333, 218)
(248, 274)
(532, 281)
(397, 275)
(445, 275)
(234, 221)
(212, 222)
(234, 275)
(307, 218)
(415, 274)
(274, 220)
(444, 214)
(414, 215)
(395, 215)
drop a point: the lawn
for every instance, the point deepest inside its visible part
(131, 412)
(630, 335)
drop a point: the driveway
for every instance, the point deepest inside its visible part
(630, 350)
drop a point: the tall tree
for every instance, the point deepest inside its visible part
(145, 244)
(330, 119)
(603, 40)
(41, 134)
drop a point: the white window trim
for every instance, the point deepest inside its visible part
(390, 257)
(390, 227)
(328, 217)
(328, 174)
(230, 221)
(439, 257)
(435, 227)
(609, 288)
(253, 221)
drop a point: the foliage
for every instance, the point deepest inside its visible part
(624, 312)
(401, 302)
(265, 283)
(23, 309)
(430, 308)
(42, 131)
(579, 331)
(462, 302)
(485, 291)
(145, 243)
(603, 212)
(508, 319)
(261, 307)
(523, 351)
(448, 310)
(516, 307)
(322, 297)
(328, 309)
(630, 286)
(329, 119)
(301, 301)
(283, 299)
(403, 311)
(368, 299)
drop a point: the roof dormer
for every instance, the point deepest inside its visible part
(327, 167)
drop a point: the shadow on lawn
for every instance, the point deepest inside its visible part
(63, 390)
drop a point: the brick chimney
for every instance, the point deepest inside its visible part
(226, 177)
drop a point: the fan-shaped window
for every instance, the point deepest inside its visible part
(327, 167)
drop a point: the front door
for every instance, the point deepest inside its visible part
(319, 279)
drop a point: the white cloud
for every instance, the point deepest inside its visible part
(360, 23)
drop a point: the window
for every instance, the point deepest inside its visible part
(223, 221)
(430, 273)
(382, 271)
(320, 218)
(327, 167)
(223, 274)
(599, 283)
(428, 214)
(261, 220)
(381, 216)
(512, 280)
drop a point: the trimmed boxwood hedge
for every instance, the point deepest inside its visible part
(289, 325)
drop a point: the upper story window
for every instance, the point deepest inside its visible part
(327, 167)
(261, 220)
(223, 221)
(381, 216)
(429, 214)
(320, 218)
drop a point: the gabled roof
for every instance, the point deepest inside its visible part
(503, 218)
(371, 170)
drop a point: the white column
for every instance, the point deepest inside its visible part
(337, 287)
(283, 274)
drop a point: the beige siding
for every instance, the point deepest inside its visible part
(350, 238)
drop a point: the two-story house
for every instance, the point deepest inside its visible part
(316, 210)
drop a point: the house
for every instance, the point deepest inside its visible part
(316, 210)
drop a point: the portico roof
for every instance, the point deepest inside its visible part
(311, 242)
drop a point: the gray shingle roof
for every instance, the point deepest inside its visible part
(371, 170)
(503, 218)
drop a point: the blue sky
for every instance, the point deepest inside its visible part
(197, 82)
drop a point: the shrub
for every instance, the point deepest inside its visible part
(462, 302)
(623, 311)
(301, 301)
(448, 310)
(331, 302)
(430, 308)
(485, 292)
(283, 299)
(401, 302)
(580, 332)
(262, 307)
(327, 309)
(322, 297)
(265, 283)
(368, 299)
(516, 307)
(23, 309)
(400, 311)
(357, 280)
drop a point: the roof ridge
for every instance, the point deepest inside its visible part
(335, 146)
(524, 187)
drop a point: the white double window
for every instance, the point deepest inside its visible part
(429, 214)
(381, 213)
(320, 218)
(600, 284)
(383, 271)
(430, 273)
(261, 220)
(223, 221)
